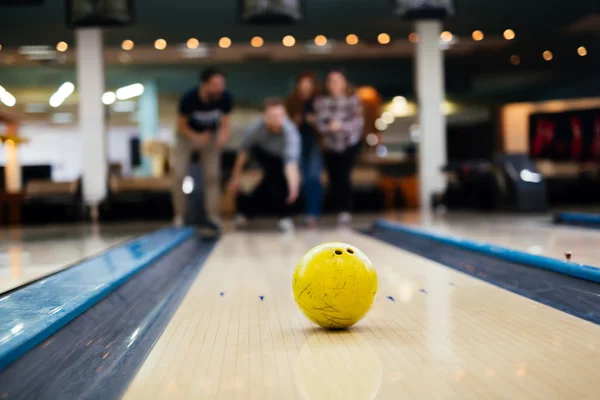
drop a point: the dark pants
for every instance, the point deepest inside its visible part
(311, 165)
(339, 168)
(269, 197)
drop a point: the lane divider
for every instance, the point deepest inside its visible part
(582, 271)
(30, 315)
(577, 218)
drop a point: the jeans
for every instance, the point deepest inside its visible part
(311, 165)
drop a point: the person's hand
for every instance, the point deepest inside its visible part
(201, 139)
(234, 185)
(335, 126)
(222, 139)
(292, 196)
(298, 119)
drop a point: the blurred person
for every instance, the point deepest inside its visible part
(202, 127)
(339, 119)
(273, 141)
(300, 108)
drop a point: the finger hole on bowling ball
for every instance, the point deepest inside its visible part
(350, 251)
(339, 252)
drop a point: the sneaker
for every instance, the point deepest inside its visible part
(311, 222)
(178, 221)
(210, 229)
(344, 218)
(215, 224)
(240, 221)
(285, 225)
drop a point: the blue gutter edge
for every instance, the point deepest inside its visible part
(33, 313)
(577, 218)
(581, 271)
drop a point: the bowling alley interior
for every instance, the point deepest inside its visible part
(309, 199)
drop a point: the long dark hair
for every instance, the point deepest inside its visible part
(294, 102)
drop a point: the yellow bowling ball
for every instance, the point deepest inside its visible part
(335, 285)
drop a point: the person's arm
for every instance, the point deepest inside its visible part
(242, 156)
(321, 117)
(356, 122)
(291, 156)
(240, 162)
(311, 117)
(292, 176)
(224, 126)
(183, 127)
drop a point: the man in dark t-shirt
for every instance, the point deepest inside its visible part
(202, 126)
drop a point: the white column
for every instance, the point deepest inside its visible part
(92, 127)
(429, 67)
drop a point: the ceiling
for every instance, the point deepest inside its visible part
(473, 70)
(178, 20)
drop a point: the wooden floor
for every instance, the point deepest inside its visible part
(445, 335)
(28, 254)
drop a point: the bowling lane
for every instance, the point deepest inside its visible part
(28, 254)
(432, 333)
(532, 234)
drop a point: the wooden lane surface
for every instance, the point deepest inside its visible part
(445, 335)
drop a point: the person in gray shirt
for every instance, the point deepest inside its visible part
(274, 142)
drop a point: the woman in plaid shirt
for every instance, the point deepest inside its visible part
(339, 117)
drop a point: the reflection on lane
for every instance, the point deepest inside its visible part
(338, 365)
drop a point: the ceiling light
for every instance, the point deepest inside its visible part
(582, 51)
(108, 98)
(388, 117)
(289, 41)
(383, 38)
(64, 91)
(127, 45)
(352, 39)
(8, 99)
(413, 37)
(62, 46)
(192, 43)
(130, 91)
(380, 124)
(509, 34)
(224, 43)
(446, 36)
(547, 55)
(477, 35)
(257, 42)
(400, 100)
(160, 44)
(320, 40)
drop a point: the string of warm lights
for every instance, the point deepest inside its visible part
(321, 40)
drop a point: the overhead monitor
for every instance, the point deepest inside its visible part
(12, 3)
(99, 13)
(271, 12)
(424, 9)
